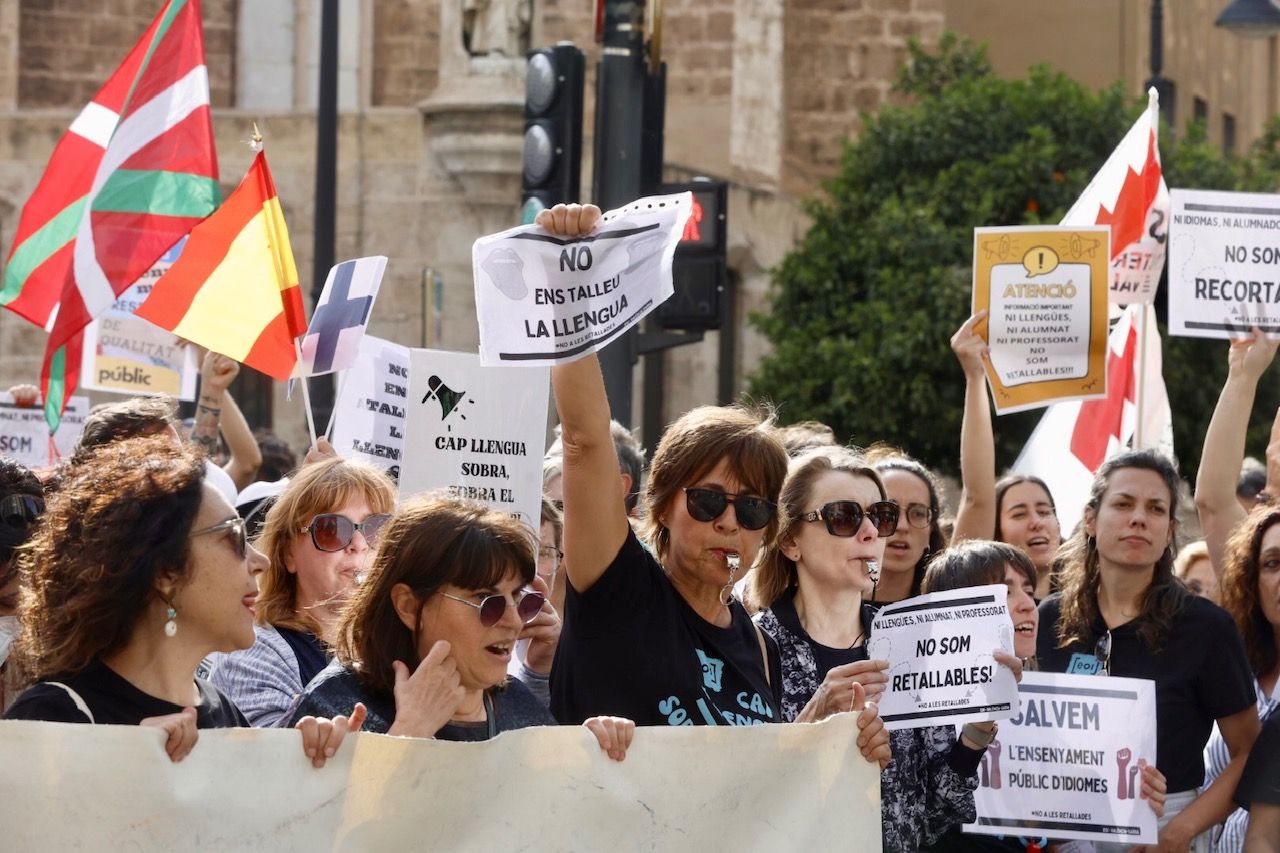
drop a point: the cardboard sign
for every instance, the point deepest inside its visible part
(1068, 764)
(477, 431)
(542, 299)
(1045, 291)
(1224, 263)
(369, 419)
(942, 669)
(125, 354)
(24, 433)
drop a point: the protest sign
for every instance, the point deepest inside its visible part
(369, 415)
(24, 432)
(333, 339)
(940, 648)
(1068, 764)
(125, 354)
(477, 431)
(542, 299)
(1045, 291)
(547, 788)
(1224, 252)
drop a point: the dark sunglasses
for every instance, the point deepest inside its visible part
(919, 515)
(492, 607)
(709, 504)
(331, 531)
(844, 518)
(236, 526)
(21, 510)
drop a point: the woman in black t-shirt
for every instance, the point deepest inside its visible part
(657, 636)
(1122, 612)
(138, 571)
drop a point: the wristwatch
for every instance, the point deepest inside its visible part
(979, 736)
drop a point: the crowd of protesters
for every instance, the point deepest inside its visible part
(153, 580)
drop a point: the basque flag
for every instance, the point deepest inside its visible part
(341, 316)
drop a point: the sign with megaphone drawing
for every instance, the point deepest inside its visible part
(476, 431)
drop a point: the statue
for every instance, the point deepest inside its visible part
(496, 27)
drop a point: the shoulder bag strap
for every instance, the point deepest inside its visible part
(75, 697)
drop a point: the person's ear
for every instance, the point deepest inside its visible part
(166, 585)
(407, 605)
(790, 549)
(1090, 521)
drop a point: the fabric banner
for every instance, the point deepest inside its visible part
(1068, 764)
(369, 419)
(477, 431)
(24, 434)
(778, 787)
(542, 299)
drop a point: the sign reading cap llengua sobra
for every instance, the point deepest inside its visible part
(543, 299)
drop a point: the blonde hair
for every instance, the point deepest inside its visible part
(1187, 556)
(320, 487)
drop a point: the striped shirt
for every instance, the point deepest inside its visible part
(1228, 837)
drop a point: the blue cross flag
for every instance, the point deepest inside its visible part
(333, 340)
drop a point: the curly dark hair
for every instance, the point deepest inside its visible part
(120, 519)
(130, 418)
(1239, 588)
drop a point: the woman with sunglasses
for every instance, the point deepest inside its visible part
(21, 503)
(138, 570)
(917, 537)
(1122, 612)
(320, 536)
(426, 642)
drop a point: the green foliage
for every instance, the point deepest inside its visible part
(861, 312)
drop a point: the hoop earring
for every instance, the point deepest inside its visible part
(726, 592)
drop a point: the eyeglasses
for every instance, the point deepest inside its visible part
(709, 504)
(1102, 651)
(552, 553)
(919, 515)
(21, 510)
(844, 518)
(236, 526)
(331, 531)
(492, 607)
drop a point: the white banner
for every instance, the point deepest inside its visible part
(777, 787)
(369, 419)
(24, 433)
(1068, 765)
(477, 431)
(125, 354)
(940, 648)
(542, 299)
(1224, 254)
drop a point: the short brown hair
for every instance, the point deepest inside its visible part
(130, 418)
(1238, 588)
(777, 572)
(319, 487)
(976, 562)
(434, 540)
(695, 444)
(120, 519)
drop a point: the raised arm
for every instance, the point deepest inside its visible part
(1223, 453)
(595, 510)
(976, 518)
(216, 374)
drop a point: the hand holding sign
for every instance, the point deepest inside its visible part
(1252, 354)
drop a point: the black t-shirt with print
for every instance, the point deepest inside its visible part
(113, 700)
(632, 647)
(1202, 674)
(1260, 782)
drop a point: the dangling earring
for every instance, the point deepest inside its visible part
(726, 592)
(171, 615)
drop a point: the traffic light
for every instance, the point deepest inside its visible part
(552, 128)
(699, 273)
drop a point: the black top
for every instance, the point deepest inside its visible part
(1260, 782)
(632, 647)
(1202, 674)
(339, 689)
(310, 650)
(826, 657)
(112, 699)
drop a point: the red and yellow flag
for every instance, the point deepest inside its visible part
(234, 289)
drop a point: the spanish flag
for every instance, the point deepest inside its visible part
(234, 289)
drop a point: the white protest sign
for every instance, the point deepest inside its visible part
(542, 299)
(369, 415)
(477, 431)
(1068, 764)
(1224, 260)
(777, 787)
(940, 648)
(125, 354)
(24, 432)
(1135, 271)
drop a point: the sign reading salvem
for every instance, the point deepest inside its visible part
(1069, 763)
(125, 354)
(476, 431)
(1224, 263)
(942, 668)
(542, 299)
(24, 433)
(372, 403)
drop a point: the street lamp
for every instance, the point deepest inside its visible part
(1251, 18)
(1162, 85)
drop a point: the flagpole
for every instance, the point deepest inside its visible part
(333, 414)
(1139, 427)
(306, 396)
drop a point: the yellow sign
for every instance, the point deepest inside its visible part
(1045, 292)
